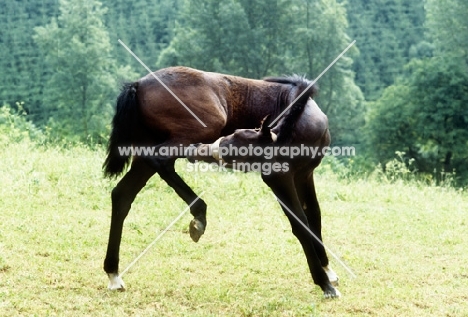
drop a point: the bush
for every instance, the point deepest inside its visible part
(15, 126)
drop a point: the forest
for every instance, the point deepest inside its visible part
(399, 95)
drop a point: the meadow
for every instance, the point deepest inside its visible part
(405, 241)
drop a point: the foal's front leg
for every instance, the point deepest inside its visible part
(284, 189)
(304, 182)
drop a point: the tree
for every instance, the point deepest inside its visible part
(447, 21)
(390, 125)
(440, 88)
(79, 93)
(227, 37)
(385, 31)
(319, 35)
(144, 25)
(260, 38)
(21, 64)
(425, 115)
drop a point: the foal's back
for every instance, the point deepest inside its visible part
(222, 102)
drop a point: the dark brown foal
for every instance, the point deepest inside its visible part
(148, 115)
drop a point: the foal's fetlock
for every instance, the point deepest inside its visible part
(196, 229)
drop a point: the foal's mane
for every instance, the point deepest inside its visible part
(297, 85)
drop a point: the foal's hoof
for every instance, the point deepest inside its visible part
(196, 229)
(331, 292)
(115, 282)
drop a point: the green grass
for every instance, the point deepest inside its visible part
(405, 242)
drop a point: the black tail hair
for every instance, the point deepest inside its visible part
(299, 85)
(124, 121)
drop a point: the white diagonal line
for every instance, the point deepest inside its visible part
(312, 83)
(163, 84)
(315, 237)
(160, 235)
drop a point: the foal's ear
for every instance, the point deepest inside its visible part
(265, 124)
(265, 130)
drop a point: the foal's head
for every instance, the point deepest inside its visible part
(242, 144)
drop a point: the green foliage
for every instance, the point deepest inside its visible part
(230, 36)
(79, 94)
(146, 26)
(389, 123)
(255, 39)
(385, 31)
(22, 65)
(425, 114)
(398, 169)
(15, 125)
(319, 30)
(447, 21)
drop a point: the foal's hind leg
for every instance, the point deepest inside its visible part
(122, 197)
(308, 197)
(167, 172)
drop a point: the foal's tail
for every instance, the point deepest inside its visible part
(123, 124)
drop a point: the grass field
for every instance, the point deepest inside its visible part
(406, 243)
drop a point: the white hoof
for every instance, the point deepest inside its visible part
(338, 294)
(332, 276)
(115, 282)
(328, 295)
